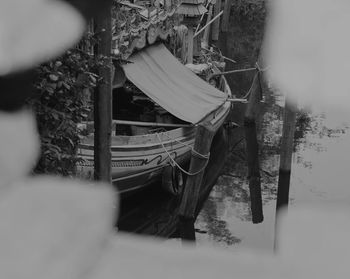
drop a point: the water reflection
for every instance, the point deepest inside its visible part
(319, 173)
(320, 167)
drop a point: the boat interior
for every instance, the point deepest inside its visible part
(135, 116)
(134, 113)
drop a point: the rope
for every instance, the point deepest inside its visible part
(249, 91)
(256, 68)
(174, 163)
(261, 69)
(251, 86)
(193, 151)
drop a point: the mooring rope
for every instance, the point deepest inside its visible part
(261, 69)
(193, 151)
(174, 163)
(256, 68)
(249, 91)
(251, 86)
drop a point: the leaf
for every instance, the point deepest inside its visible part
(53, 77)
(58, 64)
(66, 86)
(49, 89)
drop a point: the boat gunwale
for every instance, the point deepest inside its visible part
(176, 144)
(214, 117)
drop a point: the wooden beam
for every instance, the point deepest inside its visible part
(216, 24)
(252, 150)
(204, 136)
(190, 44)
(103, 98)
(286, 153)
(205, 38)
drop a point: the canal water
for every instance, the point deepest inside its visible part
(319, 174)
(320, 159)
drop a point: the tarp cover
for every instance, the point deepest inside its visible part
(157, 73)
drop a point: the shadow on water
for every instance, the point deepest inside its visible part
(318, 161)
(226, 217)
(154, 212)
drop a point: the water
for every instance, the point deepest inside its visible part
(321, 161)
(319, 174)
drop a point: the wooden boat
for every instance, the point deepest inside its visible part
(150, 151)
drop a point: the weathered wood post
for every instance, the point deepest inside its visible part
(204, 136)
(103, 97)
(286, 153)
(252, 150)
(190, 43)
(205, 38)
(216, 24)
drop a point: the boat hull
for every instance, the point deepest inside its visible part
(137, 161)
(141, 162)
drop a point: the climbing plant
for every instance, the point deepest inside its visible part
(61, 101)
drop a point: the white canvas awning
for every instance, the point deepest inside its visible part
(157, 73)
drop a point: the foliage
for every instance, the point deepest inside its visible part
(61, 101)
(243, 41)
(249, 10)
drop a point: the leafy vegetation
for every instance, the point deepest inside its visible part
(243, 41)
(249, 10)
(62, 99)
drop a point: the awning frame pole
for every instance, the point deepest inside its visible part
(200, 21)
(210, 22)
(244, 101)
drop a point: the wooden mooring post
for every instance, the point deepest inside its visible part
(200, 156)
(286, 152)
(205, 38)
(252, 150)
(216, 24)
(103, 98)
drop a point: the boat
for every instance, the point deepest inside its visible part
(145, 151)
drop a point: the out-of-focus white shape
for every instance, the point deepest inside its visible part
(33, 31)
(134, 257)
(19, 145)
(313, 240)
(307, 49)
(53, 228)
